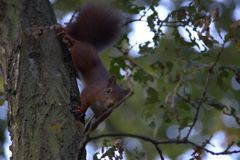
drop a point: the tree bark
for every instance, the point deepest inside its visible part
(39, 82)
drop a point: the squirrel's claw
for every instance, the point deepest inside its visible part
(78, 113)
(67, 39)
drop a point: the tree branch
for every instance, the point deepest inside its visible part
(159, 151)
(157, 142)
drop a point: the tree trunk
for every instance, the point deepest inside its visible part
(39, 82)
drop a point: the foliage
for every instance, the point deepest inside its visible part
(188, 76)
(115, 151)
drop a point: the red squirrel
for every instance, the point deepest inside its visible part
(93, 28)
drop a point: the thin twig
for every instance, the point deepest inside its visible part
(187, 100)
(159, 151)
(204, 92)
(73, 15)
(94, 122)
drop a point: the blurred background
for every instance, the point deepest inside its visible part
(166, 56)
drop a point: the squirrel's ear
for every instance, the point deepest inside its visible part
(112, 81)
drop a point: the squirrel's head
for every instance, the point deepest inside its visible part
(113, 93)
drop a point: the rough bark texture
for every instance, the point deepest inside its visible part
(39, 82)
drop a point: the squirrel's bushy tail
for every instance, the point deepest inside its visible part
(96, 24)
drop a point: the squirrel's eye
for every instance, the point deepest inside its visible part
(109, 90)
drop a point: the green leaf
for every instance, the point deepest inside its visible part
(152, 124)
(152, 96)
(184, 106)
(141, 76)
(116, 65)
(167, 118)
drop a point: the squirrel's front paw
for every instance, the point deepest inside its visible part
(67, 39)
(78, 113)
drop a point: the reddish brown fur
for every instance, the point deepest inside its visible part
(96, 24)
(94, 28)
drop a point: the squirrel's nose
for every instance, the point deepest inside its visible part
(110, 103)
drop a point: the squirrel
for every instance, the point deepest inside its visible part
(93, 28)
